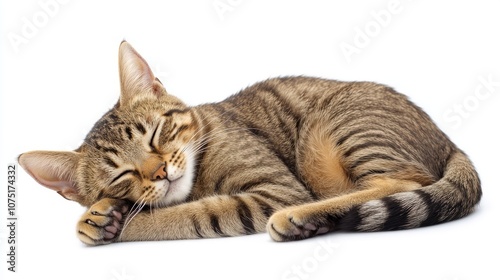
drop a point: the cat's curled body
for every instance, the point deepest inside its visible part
(297, 156)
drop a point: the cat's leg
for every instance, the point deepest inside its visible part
(102, 222)
(307, 220)
(216, 216)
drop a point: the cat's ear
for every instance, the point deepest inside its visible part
(54, 170)
(136, 78)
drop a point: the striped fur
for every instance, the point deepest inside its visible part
(295, 156)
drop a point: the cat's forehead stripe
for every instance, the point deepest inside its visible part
(140, 127)
(169, 113)
(110, 162)
(128, 130)
(110, 150)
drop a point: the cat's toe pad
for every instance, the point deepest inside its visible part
(102, 223)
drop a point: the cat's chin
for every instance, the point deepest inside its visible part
(176, 192)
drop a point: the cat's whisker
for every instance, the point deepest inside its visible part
(217, 132)
(132, 209)
(135, 209)
(152, 211)
(201, 148)
(198, 146)
(200, 130)
(132, 214)
(211, 136)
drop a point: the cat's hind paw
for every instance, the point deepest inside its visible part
(102, 222)
(293, 224)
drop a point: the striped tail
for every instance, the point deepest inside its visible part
(452, 197)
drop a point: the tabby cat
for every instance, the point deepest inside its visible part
(293, 156)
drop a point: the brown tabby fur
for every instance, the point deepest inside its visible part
(295, 156)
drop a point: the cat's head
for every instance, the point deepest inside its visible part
(141, 150)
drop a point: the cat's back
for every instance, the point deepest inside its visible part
(284, 104)
(304, 94)
(287, 110)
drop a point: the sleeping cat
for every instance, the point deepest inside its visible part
(295, 156)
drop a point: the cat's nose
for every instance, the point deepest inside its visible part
(160, 173)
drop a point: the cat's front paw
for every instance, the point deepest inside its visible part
(295, 224)
(102, 222)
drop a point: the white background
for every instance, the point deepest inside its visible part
(59, 75)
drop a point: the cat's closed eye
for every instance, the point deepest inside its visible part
(123, 174)
(152, 142)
